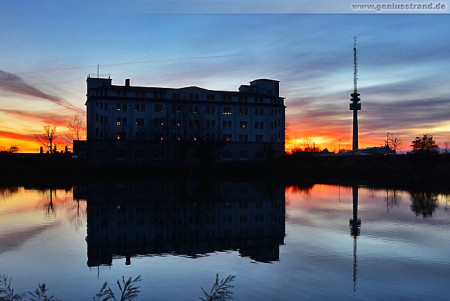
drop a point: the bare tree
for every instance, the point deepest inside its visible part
(393, 142)
(48, 137)
(76, 129)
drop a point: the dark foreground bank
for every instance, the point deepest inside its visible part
(402, 170)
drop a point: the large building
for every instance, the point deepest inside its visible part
(150, 125)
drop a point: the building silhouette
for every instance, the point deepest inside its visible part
(147, 218)
(150, 125)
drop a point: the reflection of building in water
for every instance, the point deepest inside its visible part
(355, 224)
(149, 218)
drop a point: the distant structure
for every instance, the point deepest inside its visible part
(355, 225)
(150, 125)
(355, 106)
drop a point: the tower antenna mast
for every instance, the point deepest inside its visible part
(355, 66)
(355, 104)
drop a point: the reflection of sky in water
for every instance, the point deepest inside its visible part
(399, 255)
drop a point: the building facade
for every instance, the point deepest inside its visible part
(150, 125)
(138, 218)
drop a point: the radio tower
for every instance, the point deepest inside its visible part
(355, 106)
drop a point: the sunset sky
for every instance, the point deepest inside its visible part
(49, 48)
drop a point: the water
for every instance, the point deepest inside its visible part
(281, 243)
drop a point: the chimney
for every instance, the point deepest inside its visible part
(127, 82)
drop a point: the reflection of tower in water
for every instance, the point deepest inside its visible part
(355, 224)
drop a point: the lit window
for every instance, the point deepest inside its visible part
(118, 122)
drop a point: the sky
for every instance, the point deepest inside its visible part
(48, 48)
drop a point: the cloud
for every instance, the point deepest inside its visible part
(13, 83)
(44, 117)
(13, 241)
(12, 135)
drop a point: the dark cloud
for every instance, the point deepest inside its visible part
(13, 83)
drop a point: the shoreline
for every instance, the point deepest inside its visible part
(405, 171)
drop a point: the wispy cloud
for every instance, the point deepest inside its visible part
(13, 83)
(12, 135)
(14, 240)
(44, 117)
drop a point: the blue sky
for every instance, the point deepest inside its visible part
(51, 46)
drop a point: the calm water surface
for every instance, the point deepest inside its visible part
(281, 243)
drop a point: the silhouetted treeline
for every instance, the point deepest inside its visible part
(392, 170)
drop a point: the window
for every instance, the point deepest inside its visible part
(226, 155)
(261, 125)
(207, 110)
(124, 121)
(176, 95)
(208, 123)
(213, 123)
(243, 124)
(210, 97)
(136, 107)
(213, 110)
(227, 111)
(256, 125)
(121, 136)
(96, 116)
(119, 122)
(124, 107)
(118, 106)
(243, 111)
(243, 155)
(106, 106)
(143, 107)
(226, 124)
(158, 108)
(140, 121)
